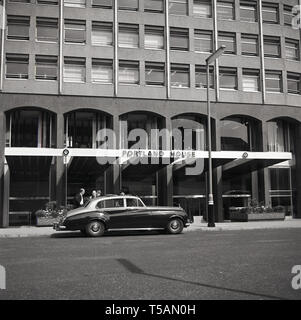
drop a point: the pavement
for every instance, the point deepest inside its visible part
(198, 225)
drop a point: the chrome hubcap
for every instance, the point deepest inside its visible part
(175, 225)
(95, 227)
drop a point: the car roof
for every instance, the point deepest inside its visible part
(113, 196)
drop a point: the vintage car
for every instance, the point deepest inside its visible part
(122, 213)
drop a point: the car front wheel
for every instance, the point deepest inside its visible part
(175, 226)
(95, 229)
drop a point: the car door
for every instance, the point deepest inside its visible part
(116, 210)
(138, 216)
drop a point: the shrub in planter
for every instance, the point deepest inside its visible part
(256, 212)
(51, 214)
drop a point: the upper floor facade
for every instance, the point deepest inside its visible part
(153, 49)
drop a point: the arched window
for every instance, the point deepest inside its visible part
(240, 134)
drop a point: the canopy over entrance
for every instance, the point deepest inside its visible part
(232, 161)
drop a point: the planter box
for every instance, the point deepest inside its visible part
(237, 216)
(45, 222)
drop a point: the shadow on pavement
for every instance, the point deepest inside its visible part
(136, 270)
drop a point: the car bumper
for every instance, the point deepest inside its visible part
(59, 227)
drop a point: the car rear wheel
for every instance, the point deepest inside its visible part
(95, 229)
(175, 226)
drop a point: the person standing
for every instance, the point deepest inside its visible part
(93, 194)
(98, 193)
(79, 198)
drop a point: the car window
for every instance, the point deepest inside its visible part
(110, 203)
(131, 202)
(140, 203)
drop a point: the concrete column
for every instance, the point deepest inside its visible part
(4, 176)
(266, 176)
(165, 178)
(60, 168)
(217, 175)
(298, 171)
(165, 186)
(113, 173)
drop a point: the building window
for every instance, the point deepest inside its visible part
(102, 71)
(202, 8)
(180, 75)
(294, 83)
(154, 73)
(272, 47)
(18, 27)
(154, 6)
(178, 7)
(179, 39)
(128, 72)
(226, 10)
(270, 13)
(248, 11)
(249, 45)
(228, 40)
(273, 81)
(250, 80)
(292, 49)
(48, 2)
(46, 67)
(228, 78)
(102, 33)
(281, 136)
(75, 31)
(131, 5)
(17, 66)
(74, 69)
(19, 1)
(75, 3)
(288, 15)
(203, 41)
(153, 37)
(201, 77)
(128, 36)
(105, 4)
(47, 29)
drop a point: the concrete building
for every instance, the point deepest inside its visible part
(72, 67)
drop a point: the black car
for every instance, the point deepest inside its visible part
(122, 213)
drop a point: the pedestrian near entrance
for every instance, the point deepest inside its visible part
(79, 198)
(93, 194)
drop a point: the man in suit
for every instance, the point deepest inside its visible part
(79, 198)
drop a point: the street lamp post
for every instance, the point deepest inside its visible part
(65, 154)
(209, 60)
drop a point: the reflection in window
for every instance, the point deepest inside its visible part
(47, 29)
(17, 66)
(102, 33)
(202, 8)
(239, 134)
(180, 75)
(18, 27)
(280, 136)
(31, 128)
(194, 128)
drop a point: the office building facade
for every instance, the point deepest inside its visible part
(70, 68)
